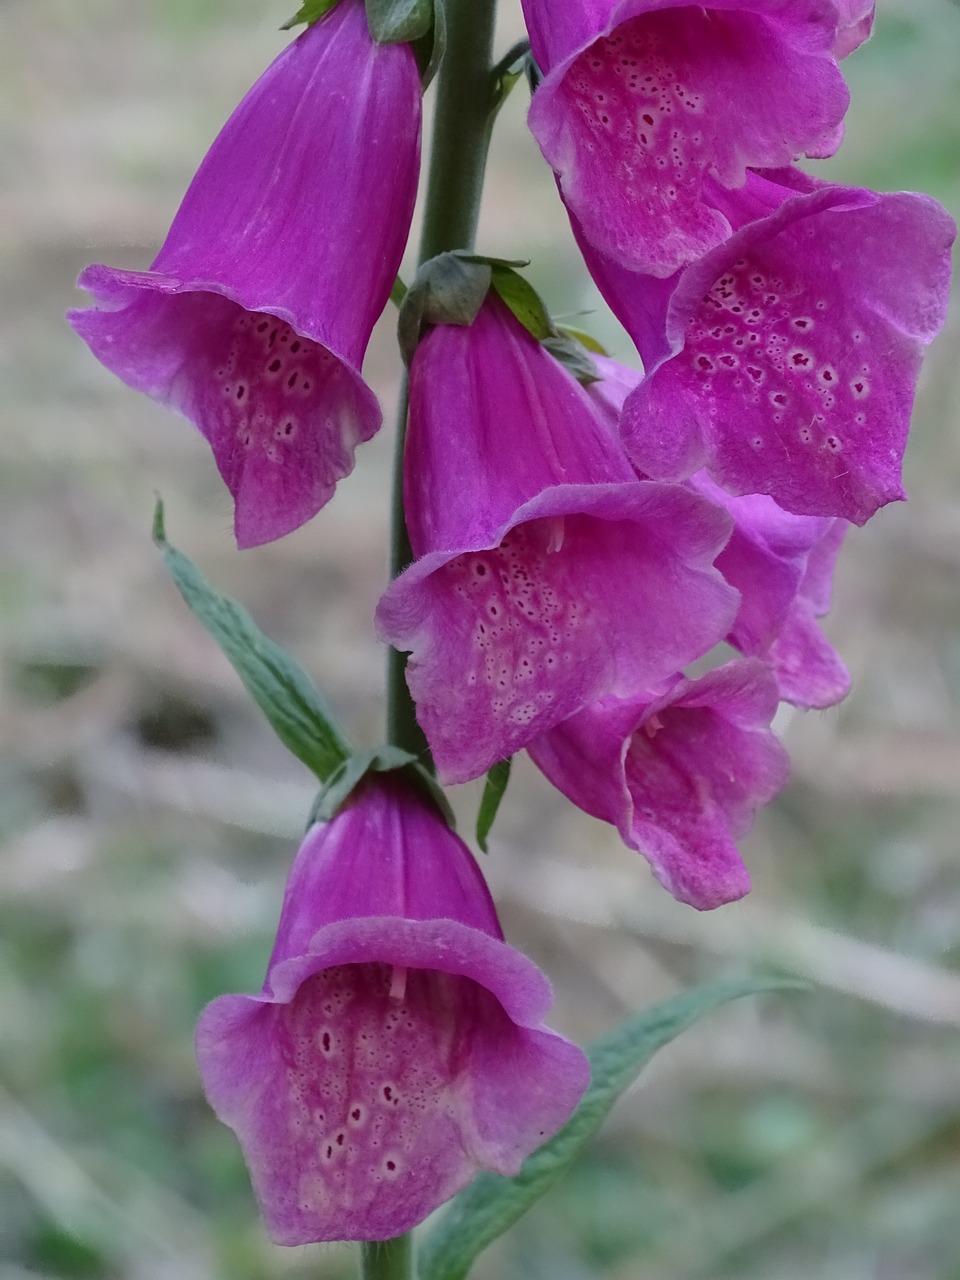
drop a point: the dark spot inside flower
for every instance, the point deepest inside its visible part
(329, 1153)
(827, 375)
(326, 1042)
(800, 359)
(340, 1137)
(355, 1113)
(648, 119)
(780, 399)
(391, 1165)
(241, 391)
(388, 1093)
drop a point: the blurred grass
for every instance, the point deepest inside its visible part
(147, 818)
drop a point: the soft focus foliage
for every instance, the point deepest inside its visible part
(147, 815)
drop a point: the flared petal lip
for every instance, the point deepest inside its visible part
(696, 279)
(444, 945)
(112, 287)
(604, 501)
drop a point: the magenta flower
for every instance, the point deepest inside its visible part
(679, 772)
(782, 565)
(786, 360)
(397, 1045)
(856, 24)
(254, 318)
(645, 99)
(548, 575)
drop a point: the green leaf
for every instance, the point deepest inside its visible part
(309, 12)
(398, 21)
(523, 300)
(278, 685)
(493, 792)
(491, 1204)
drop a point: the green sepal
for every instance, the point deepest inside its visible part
(585, 339)
(309, 11)
(491, 1203)
(493, 792)
(398, 21)
(523, 300)
(448, 289)
(573, 356)
(431, 46)
(528, 307)
(506, 73)
(385, 759)
(278, 685)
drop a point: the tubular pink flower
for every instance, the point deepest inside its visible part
(254, 319)
(680, 773)
(548, 574)
(782, 565)
(397, 1045)
(785, 361)
(643, 100)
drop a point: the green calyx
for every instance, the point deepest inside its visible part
(451, 288)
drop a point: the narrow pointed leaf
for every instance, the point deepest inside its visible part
(492, 1203)
(309, 12)
(398, 21)
(278, 685)
(493, 793)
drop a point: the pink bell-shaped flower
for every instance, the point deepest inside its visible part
(786, 360)
(643, 100)
(782, 565)
(397, 1045)
(254, 319)
(679, 772)
(549, 575)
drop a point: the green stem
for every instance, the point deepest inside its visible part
(387, 1259)
(461, 138)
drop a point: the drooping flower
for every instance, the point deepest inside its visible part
(643, 100)
(397, 1045)
(548, 574)
(679, 771)
(782, 565)
(785, 361)
(254, 319)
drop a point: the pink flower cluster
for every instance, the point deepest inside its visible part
(576, 548)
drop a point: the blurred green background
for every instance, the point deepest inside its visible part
(147, 818)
